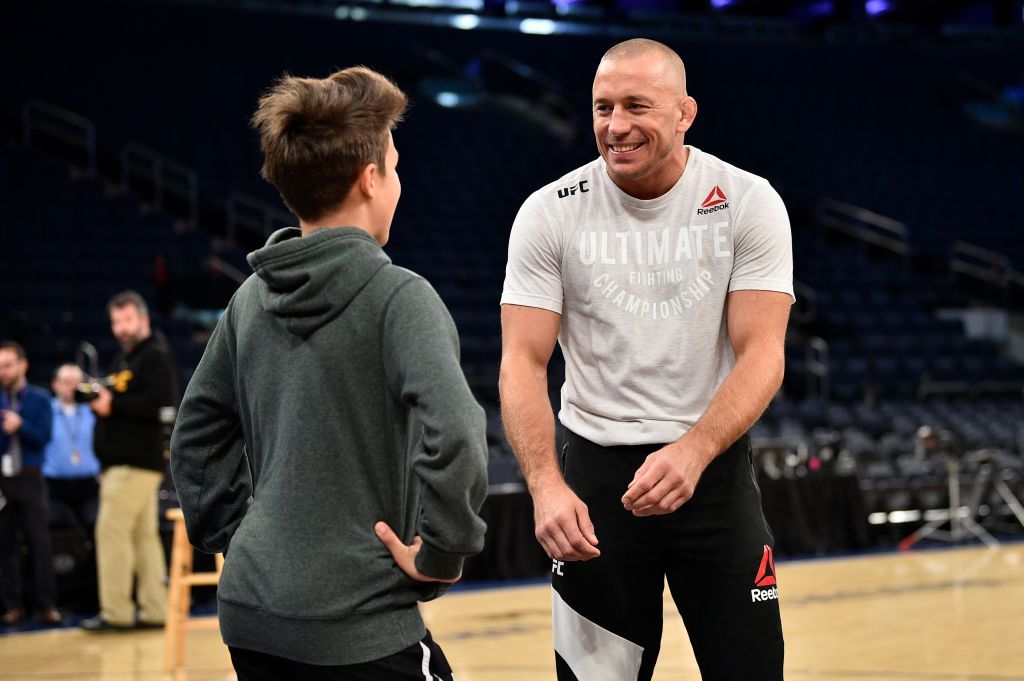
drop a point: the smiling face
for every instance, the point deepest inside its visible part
(641, 112)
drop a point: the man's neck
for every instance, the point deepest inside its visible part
(345, 216)
(659, 184)
(129, 349)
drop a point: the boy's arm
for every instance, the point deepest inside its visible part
(421, 358)
(208, 461)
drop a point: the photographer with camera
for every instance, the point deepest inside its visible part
(130, 443)
(25, 421)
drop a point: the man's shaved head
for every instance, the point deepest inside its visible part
(639, 47)
(641, 112)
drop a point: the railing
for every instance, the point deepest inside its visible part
(817, 365)
(253, 215)
(865, 225)
(227, 269)
(984, 265)
(165, 176)
(805, 309)
(980, 263)
(60, 124)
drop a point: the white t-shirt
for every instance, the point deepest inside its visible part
(641, 286)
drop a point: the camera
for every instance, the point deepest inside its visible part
(89, 389)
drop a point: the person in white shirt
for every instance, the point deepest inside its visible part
(665, 274)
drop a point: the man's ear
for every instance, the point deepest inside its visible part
(367, 181)
(688, 108)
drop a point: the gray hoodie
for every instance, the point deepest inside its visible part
(329, 397)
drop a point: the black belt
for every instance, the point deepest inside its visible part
(27, 471)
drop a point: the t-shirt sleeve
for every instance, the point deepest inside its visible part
(533, 276)
(763, 243)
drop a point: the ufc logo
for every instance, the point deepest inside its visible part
(571, 191)
(556, 567)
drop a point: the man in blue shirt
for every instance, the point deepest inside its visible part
(71, 467)
(25, 428)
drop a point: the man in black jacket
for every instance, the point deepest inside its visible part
(25, 427)
(129, 443)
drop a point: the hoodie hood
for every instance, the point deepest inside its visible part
(306, 281)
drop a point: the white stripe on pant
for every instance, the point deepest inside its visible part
(591, 651)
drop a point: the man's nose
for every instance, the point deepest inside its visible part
(619, 124)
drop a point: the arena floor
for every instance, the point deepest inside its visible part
(953, 614)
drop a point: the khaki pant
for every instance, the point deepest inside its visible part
(128, 545)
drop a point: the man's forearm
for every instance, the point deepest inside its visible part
(529, 422)
(737, 404)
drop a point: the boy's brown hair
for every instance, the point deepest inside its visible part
(317, 135)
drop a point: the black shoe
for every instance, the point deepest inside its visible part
(98, 625)
(149, 625)
(12, 616)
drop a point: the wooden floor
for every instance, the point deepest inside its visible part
(953, 614)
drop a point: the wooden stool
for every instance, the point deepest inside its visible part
(179, 594)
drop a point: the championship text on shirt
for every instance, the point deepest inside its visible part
(690, 243)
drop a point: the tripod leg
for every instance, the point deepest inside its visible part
(922, 532)
(956, 527)
(1007, 494)
(979, 489)
(979, 531)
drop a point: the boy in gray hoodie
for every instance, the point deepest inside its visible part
(328, 436)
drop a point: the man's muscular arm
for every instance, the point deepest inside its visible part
(757, 330)
(562, 522)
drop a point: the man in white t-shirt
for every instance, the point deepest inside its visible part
(665, 274)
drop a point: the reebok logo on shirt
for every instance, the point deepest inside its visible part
(714, 202)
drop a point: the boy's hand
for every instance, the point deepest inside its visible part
(405, 555)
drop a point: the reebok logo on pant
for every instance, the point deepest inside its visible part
(765, 579)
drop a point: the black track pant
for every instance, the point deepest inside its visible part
(714, 551)
(27, 510)
(422, 661)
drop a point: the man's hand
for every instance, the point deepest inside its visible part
(665, 481)
(11, 422)
(101, 405)
(562, 523)
(405, 555)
